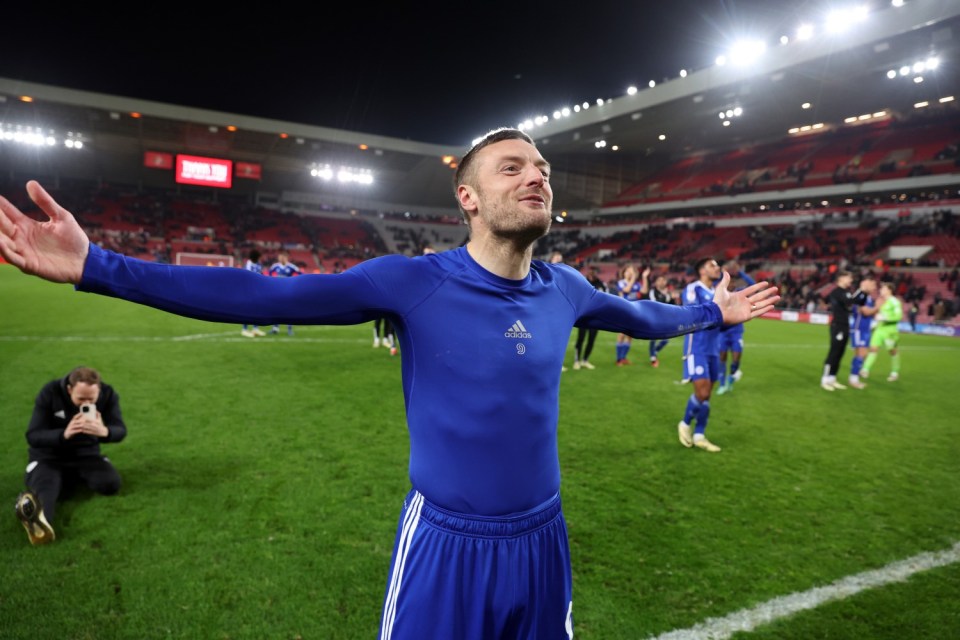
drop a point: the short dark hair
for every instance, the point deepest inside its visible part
(701, 263)
(465, 168)
(843, 272)
(83, 374)
(254, 255)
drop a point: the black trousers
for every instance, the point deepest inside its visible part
(51, 480)
(588, 335)
(839, 337)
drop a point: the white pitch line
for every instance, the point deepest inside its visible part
(784, 606)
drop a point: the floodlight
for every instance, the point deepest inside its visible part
(652, 84)
(746, 51)
(631, 91)
(804, 32)
(892, 74)
(683, 73)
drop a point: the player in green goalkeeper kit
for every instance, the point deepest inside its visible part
(886, 332)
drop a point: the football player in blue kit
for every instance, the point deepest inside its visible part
(481, 546)
(701, 356)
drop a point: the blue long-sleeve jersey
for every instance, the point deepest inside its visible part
(482, 355)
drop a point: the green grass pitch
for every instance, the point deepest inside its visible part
(263, 481)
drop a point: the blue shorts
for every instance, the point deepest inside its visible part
(731, 341)
(698, 366)
(455, 575)
(860, 338)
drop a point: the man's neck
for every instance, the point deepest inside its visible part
(502, 258)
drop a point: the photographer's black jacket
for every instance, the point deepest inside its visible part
(52, 412)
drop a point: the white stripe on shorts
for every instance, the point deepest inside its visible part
(410, 520)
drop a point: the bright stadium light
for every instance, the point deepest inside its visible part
(746, 51)
(784, 40)
(892, 74)
(804, 32)
(932, 63)
(652, 84)
(565, 112)
(840, 20)
(683, 73)
(721, 60)
(896, 3)
(631, 90)
(905, 70)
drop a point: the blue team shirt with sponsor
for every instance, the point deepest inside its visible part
(705, 341)
(482, 355)
(861, 322)
(284, 270)
(634, 291)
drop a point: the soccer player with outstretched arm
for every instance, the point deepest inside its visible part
(481, 546)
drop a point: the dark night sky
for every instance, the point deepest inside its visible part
(432, 72)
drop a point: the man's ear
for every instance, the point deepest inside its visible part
(467, 197)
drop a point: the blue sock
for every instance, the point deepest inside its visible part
(722, 380)
(702, 416)
(693, 409)
(619, 351)
(653, 349)
(626, 349)
(661, 345)
(734, 367)
(855, 366)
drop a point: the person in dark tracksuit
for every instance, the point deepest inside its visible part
(841, 301)
(71, 417)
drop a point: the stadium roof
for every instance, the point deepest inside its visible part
(836, 77)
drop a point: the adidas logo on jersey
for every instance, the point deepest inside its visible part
(517, 331)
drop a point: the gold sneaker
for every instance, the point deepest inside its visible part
(31, 515)
(683, 430)
(706, 445)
